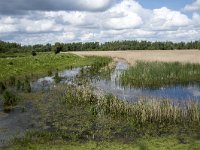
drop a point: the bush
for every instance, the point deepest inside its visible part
(50, 73)
(2, 87)
(57, 78)
(33, 53)
(58, 47)
(9, 99)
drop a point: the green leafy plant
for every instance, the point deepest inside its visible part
(9, 100)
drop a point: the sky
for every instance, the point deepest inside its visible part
(50, 21)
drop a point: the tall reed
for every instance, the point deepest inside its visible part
(142, 111)
(156, 74)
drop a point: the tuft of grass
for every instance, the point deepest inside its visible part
(9, 100)
(157, 74)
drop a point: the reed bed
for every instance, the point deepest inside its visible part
(158, 74)
(144, 111)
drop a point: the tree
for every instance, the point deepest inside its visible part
(33, 53)
(58, 47)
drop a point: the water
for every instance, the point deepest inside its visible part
(21, 121)
(48, 82)
(177, 92)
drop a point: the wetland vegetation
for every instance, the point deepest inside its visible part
(159, 74)
(73, 114)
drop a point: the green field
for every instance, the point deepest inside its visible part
(41, 64)
(167, 143)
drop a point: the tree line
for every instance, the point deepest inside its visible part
(96, 46)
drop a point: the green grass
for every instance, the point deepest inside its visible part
(79, 117)
(13, 55)
(162, 143)
(42, 64)
(157, 74)
(74, 117)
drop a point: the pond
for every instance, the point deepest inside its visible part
(176, 92)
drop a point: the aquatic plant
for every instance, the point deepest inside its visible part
(144, 111)
(9, 100)
(57, 78)
(157, 74)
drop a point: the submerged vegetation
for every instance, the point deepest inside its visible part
(158, 74)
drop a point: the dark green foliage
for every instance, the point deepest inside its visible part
(58, 47)
(27, 86)
(49, 73)
(115, 45)
(33, 53)
(2, 87)
(9, 99)
(57, 78)
(12, 80)
(18, 85)
(10, 63)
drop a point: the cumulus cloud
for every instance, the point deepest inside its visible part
(123, 16)
(193, 6)
(165, 18)
(19, 6)
(125, 20)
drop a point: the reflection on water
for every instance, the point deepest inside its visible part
(177, 92)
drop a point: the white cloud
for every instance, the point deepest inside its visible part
(40, 25)
(165, 18)
(193, 6)
(124, 20)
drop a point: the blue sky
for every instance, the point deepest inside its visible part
(40, 22)
(172, 4)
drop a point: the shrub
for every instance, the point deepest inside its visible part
(2, 87)
(10, 63)
(49, 72)
(9, 99)
(58, 47)
(33, 53)
(57, 78)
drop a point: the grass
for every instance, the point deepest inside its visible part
(14, 55)
(164, 143)
(141, 112)
(9, 100)
(41, 64)
(76, 117)
(158, 74)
